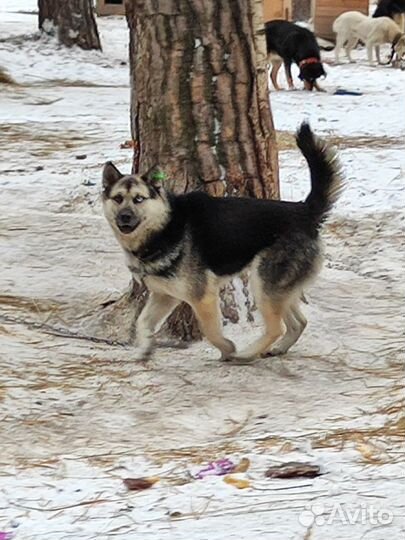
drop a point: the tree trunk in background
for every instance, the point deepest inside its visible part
(5, 78)
(72, 21)
(301, 10)
(200, 102)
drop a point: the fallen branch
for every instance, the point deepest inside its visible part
(59, 508)
(59, 332)
(66, 333)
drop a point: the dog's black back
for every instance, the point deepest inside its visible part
(389, 8)
(236, 229)
(293, 43)
(228, 232)
(290, 41)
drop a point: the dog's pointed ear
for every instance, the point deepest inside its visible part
(150, 175)
(111, 175)
(154, 177)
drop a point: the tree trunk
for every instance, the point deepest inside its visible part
(200, 103)
(301, 10)
(5, 78)
(72, 21)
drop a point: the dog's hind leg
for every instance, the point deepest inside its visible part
(275, 68)
(295, 322)
(208, 315)
(157, 308)
(272, 309)
(350, 45)
(340, 41)
(272, 312)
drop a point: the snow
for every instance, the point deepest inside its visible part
(78, 416)
(376, 112)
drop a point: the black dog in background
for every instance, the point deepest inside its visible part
(395, 9)
(287, 43)
(389, 8)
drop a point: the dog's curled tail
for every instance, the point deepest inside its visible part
(326, 173)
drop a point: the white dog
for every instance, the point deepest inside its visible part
(353, 26)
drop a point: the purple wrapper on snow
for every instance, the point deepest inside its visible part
(216, 468)
(77, 415)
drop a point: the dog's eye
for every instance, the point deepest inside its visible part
(118, 199)
(138, 199)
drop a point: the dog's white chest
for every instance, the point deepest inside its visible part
(134, 266)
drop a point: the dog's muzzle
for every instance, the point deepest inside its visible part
(127, 221)
(309, 84)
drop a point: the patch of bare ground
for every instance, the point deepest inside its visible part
(376, 445)
(5, 78)
(286, 141)
(41, 141)
(32, 305)
(67, 83)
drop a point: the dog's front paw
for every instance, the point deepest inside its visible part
(236, 360)
(240, 359)
(277, 350)
(142, 353)
(228, 350)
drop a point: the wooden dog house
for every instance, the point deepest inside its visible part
(110, 7)
(277, 9)
(272, 9)
(325, 12)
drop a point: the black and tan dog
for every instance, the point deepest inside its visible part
(288, 42)
(184, 247)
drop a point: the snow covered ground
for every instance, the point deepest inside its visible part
(78, 416)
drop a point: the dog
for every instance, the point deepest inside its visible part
(395, 9)
(185, 247)
(353, 26)
(287, 43)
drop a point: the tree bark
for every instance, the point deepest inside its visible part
(200, 102)
(72, 21)
(5, 78)
(301, 10)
